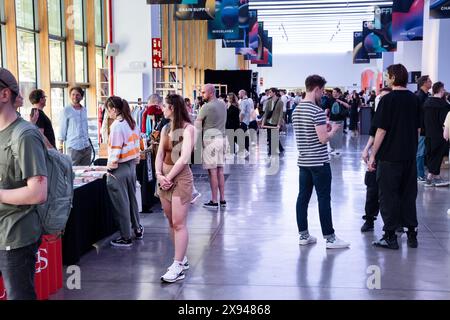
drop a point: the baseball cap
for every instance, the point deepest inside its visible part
(7, 80)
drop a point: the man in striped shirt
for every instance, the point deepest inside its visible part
(312, 136)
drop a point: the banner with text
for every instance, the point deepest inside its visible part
(245, 24)
(440, 9)
(407, 20)
(203, 10)
(359, 52)
(226, 21)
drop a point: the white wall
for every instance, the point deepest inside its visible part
(132, 30)
(291, 71)
(226, 58)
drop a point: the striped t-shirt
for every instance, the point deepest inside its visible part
(306, 118)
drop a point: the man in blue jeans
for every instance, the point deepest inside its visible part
(312, 136)
(23, 184)
(424, 85)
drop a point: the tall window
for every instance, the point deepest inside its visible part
(80, 42)
(2, 33)
(26, 46)
(100, 41)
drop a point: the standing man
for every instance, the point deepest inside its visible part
(23, 184)
(424, 85)
(338, 115)
(394, 157)
(211, 122)
(39, 101)
(312, 136)
(74, 130)
(247, 106)
(272, 121)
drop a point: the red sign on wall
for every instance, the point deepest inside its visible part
(156, 53)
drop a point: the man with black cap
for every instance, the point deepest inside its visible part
(23, 185)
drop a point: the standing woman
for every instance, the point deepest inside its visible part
(355, 104)
(233, 121)
(175, 180)
(124, 154)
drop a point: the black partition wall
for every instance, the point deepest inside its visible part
(235, 79)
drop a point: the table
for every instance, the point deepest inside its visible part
(90, 221)
(49, 270)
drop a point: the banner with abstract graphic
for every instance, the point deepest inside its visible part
(407, 20)
(245, 24)
(359, 52)
(262, 38)
(203, 10)
(440, 9)
(268, 53)
(370, 41)
(172, 1)
(383, 30)
(226, 21)
(251, 51)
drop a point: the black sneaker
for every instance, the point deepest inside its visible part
(367, 226)
(412, 239)
(121, 242)
(223, 204)
(139, 233)
(211, 205)
(387, 242)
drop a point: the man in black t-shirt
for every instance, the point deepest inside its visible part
(39, 100)
(394, 157)
(424, 86)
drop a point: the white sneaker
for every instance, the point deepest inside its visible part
(306, 241)
(337, 243)
(195, 196)
(185, 264)
(174, 273)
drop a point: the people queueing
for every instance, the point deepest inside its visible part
(424, 85)
(312, 136)
(394, 157)
(210, 124)
(435, 111)
(23, 185)
(74, 131)
(123, 156)
(175, 180)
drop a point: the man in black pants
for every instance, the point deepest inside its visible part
(394, 157)
(435, 110)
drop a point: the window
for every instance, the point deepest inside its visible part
(80, 41)
(57, 47)
(27, 47)
(2, 33)
(100, 39)
(58, 98)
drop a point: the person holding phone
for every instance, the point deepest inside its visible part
(175, 180)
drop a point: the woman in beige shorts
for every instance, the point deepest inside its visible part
(175, 180)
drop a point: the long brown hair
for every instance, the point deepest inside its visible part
(123, 109)
(180, 114)
(234, 100)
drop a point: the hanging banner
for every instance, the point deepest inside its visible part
(156, 53)
(251, 51)
(407, 20)
(383, 29)
(172, 1)
(440, 9)
(203, 10)
(262, 48)
(359, 52)
(371, 42)
(247, 18)
(226, 21)
(268, 53)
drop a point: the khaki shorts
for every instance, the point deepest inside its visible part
(214, 153)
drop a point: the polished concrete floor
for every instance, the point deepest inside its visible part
(250, 250)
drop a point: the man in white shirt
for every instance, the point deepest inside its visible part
(246, 105)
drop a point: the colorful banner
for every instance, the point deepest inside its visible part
(251, 51)
(244, 27)
(407, 20)
(172, 1)
(371, 42)
(268, 53)
(262, 48)
(156, 53)
(383, 30)
(226, 21)
(440, 9)
(359, 52)
(203, 10)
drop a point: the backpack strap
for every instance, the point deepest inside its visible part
(21, 128)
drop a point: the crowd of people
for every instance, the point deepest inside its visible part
(410, 132)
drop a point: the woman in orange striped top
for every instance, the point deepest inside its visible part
(124, 154)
